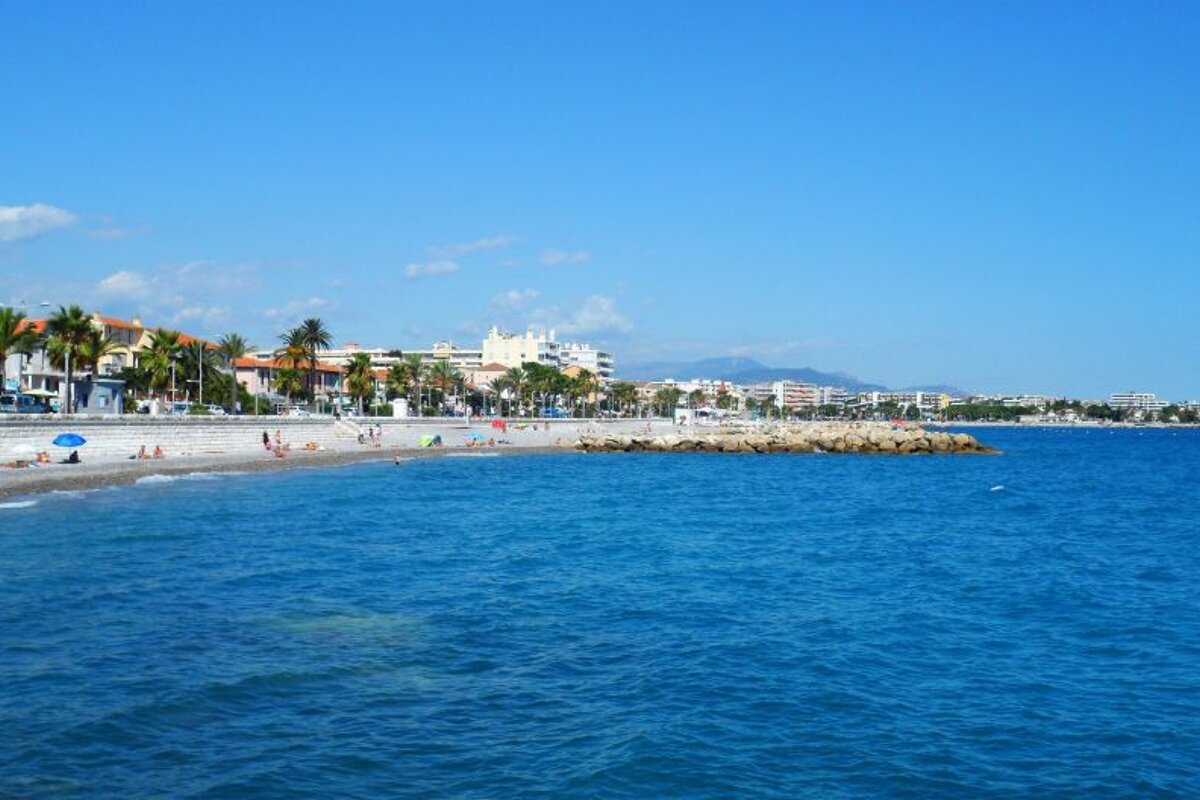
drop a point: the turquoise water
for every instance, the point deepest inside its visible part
(619, 625)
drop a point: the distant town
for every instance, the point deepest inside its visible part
(95, 364)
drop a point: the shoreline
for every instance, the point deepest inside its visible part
(35, 481)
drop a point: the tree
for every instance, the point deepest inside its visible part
(66, 329)
(92, 348)
(314, 337)
(624, 395)
(288, 382)
(198, 366)
(231, 347)
(443, 375)
(159, 355)
(583, 386)
(725, 401)
(515, 380)
(696, 398)
(360, 378)
(16, 338)
(397, 382)
(666, 400)
(414, 370)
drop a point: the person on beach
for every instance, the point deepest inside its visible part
(141, 453)
(43, 457)
(158, 453)
(73, 458)
(278, 438)
(266, 441)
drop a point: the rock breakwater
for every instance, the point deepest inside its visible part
(856, 437)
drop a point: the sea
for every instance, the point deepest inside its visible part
(617, 626)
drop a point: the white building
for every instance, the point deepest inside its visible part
(584, 356)
(1138, 401)
(787, 394)
(512, 350)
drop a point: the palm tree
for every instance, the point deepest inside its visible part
(360, 378)
(231, 347)
(414, 369)
(159, 356)
(16, 338)
(397, 380)
(198, 365)
(94, 346)
(625, 394)
(515, 380)
(696, 398)
(314, 337)
(288, 381)
(666, 400)
(443, 375)
(66, 329)
(582, 386)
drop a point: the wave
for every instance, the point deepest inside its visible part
(19, 504)
(151, 480)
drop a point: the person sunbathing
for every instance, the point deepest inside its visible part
(43, 457)
(158, 453)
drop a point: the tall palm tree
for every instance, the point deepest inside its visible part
(157, 359)
(231, 347)
(414, 369)
(16, 338)
(314, 337)
(66, 329)
(624, 394)
(443, 375)
(288, 381)
(515, 380)
(666, 400)
(199, 364)
(397, 380)
(583, 386)
(94, 347)
(360, 378)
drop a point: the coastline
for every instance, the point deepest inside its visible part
(33, 481)
(235, 445)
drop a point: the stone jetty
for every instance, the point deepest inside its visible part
(816, 437)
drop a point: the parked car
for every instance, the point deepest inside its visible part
(297, 411)
(179, 408)
(215, 410)
(21, 404)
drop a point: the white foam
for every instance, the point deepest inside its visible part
(471, 455)
(147, 480)
(997, 488)
(19, 504)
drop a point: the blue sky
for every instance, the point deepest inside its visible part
(1003, 196)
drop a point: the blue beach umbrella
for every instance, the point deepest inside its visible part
(69, 440)
(476, 436)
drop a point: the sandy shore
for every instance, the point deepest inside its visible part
(17, 483)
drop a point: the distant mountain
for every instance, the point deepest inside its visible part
(742, 371)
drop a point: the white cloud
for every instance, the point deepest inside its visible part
(296, 309)
(515, 299)
(440, 267)
(125, 285)
(206, 315)
(465, 248)
(598, 315)
(554, 258)
(29, 222)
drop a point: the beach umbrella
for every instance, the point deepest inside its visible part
(69, 440)
(476, 436)
(39, 393)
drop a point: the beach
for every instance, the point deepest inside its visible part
(195, 445)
